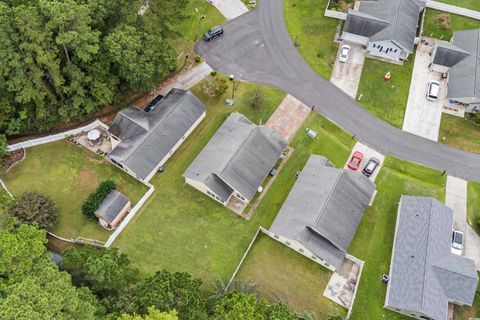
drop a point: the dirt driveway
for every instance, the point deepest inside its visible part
(288, 117)
(347, 75)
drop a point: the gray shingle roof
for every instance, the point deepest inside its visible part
(464, 78)
(363, 24)
(403, 16)
(448, 55)
(148, 137)
(240, 153)
(424, 274)
(324, 208)
(111, 206)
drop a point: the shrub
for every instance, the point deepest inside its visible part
(256, 98)
(214, 86)
(198, 59)
(3, 145)
(478, 223)
(95, 199)
(37, 208)
(213, 73)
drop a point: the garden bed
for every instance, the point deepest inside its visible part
(11, 158)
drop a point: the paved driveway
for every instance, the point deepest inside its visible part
(347, 75)
(258, 48)
(367, 154)
(230, 9)
(423, 117)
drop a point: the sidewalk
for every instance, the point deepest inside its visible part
(230, 8)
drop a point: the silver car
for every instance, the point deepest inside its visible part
(433, 90)
(457, 242)
(344, 53)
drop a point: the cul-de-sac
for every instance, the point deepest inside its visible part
(239, 159)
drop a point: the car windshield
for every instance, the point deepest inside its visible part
(457, 238)
(355, 161)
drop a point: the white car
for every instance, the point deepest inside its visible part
(457, 242)
(344, 53)
(433, 90)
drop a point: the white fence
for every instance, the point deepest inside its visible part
(130, 215)
(55, 137)
(453, 9)
(335, 14)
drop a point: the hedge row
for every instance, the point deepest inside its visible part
(95, 199)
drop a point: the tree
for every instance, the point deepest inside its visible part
(31, 286)
(256, 98)
(153, 314)
(36, 208)
(236, 305)
(142, 60)
(105, 271)
(214, 86)
(3, 145)
(168, 291)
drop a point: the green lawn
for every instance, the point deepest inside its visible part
(374, 239)
(459, 133)
(432, 27)
(306, 19)
(182, 229)
(282, 274)
(469, 4)
(473, 205)
(188, 29)
(69, 173)
(386, 100)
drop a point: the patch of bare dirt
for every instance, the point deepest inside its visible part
(87, 177)
(444, 21)
(11, 158)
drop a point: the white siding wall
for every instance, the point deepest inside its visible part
(384, 45)
(354, 38)
(295, 245)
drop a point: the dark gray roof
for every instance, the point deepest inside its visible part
(111, 206)
(424, 274)
(464, 78)
(148, 137)
(363, 24)
(403, 16)
(240, 154)
(448, 55)
(324, 208)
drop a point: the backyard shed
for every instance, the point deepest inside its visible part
(112, 210)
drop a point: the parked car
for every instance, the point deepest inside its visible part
(344, 53)
(457, 242)
(371, 166)
(152, 104)
(433, 90)
(213, 33)
(354, 162)
(273, 172)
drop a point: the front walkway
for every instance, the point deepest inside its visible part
(456, 199)
(230, 8)
(288, 117)
(346, 75)
(422, 116)
(453, 9)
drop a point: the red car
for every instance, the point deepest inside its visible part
(354, 163)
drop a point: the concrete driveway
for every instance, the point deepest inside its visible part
(367, 154)
(346, 75)
(423, 117)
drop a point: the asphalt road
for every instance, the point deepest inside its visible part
(256, 47)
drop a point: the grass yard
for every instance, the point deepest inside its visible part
(282, 274)
(459, 133)
(306, 19)
(69, 173)
(386, 100)
(188, 29)
(441, 25)
(469, 4)
(374, 239)
(181, 229)
(473, 205)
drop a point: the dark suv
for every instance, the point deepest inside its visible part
(213, 33)
(372, 164)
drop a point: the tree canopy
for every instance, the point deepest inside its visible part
(33, 207)
(63, 60)
(152, 314)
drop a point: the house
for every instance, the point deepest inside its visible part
(445, 55)
(425, 276)
(322, 212)
(112, 209)
(387, 28)
(143, 141)
(235, 162)
(464, 78)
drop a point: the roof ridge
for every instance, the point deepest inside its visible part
(439, 266)
(130, 118)
(426, 255)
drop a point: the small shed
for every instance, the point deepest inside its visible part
(112, 210)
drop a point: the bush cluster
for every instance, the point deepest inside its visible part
(95, 199)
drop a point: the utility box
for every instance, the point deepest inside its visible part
(312, 134)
